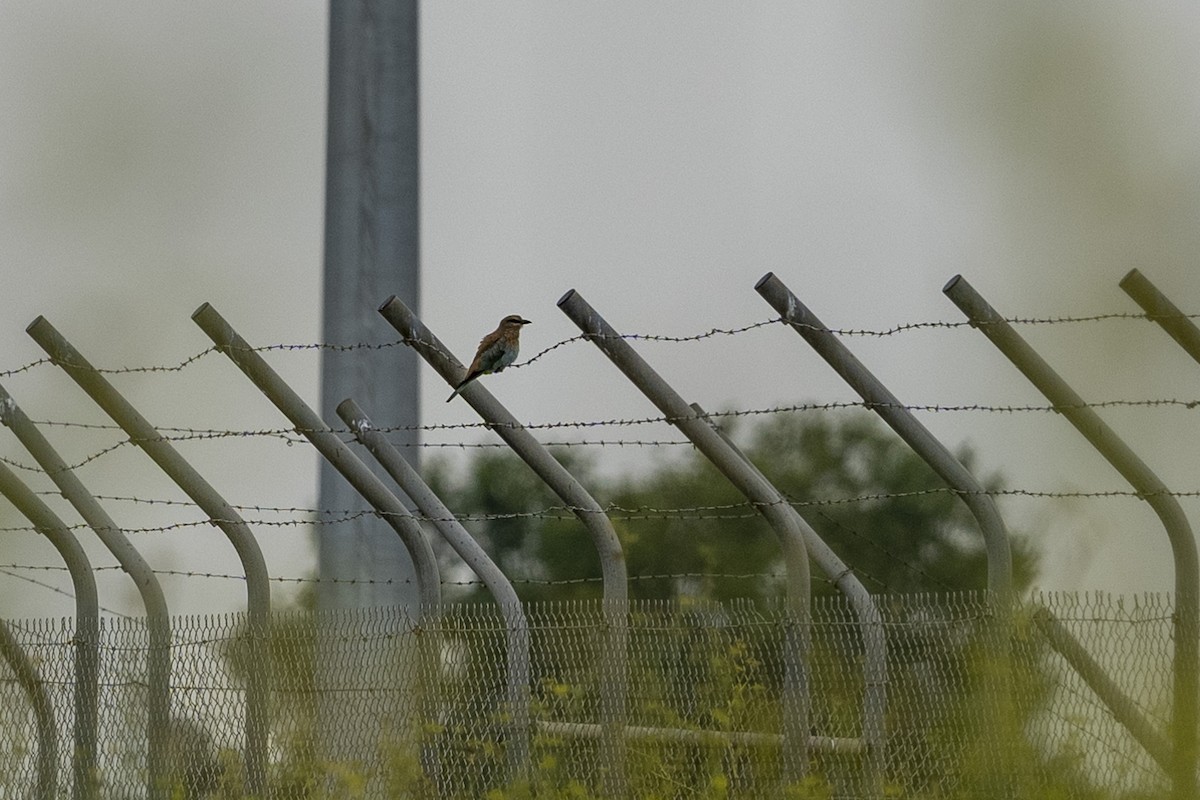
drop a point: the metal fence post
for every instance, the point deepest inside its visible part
(797, 740)
(982, 507)
(312, 427)
(880, 400)
(614, 682)
(370, 487)
(158, 622)
(589, 512)
(85, 784)
(501, 588)
(769, 502)
(1148, 486)
(26, 675)
(1123, 709)
(1163, 311)
(220, 513)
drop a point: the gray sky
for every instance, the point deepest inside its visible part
(657, 157)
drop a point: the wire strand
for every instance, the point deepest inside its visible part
(648, 337)
(7, 570)
(293, 436)
(720, 511)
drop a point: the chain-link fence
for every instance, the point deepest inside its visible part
(367, 704)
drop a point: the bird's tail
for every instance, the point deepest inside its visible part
(459, 388)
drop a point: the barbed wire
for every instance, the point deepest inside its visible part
(794, 502)
(742, 510)
(315, 517)
(295, 435)
(461, 583)
(187, 362)
(648, 337)
(395, 581)
(7, 570)
(892, 556)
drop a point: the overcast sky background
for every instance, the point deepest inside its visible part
(657, 157)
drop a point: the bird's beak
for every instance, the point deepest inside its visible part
(526, 322)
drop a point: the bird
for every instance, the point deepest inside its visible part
(496, 351)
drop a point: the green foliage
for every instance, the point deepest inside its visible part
(960, 725)
(543, 546)
(710, 662)
(876, 503)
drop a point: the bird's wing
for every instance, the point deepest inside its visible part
(492, 358)
(506, 356)
(481, 353)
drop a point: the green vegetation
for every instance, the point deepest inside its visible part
(905, 534)
(705, 648)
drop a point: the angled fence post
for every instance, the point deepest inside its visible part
(158, 622)
(373, 490)
(1148, 486)
(789, 532)
(312, 427)
(27, 676)
(768, 501)
(589, 512)
(1123, 709)
(614, 682)
(501, 588)
(880, 400)
(85, 785)
(1163, 311)
(797, 694)
(220, 513)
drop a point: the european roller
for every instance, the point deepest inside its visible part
(496, 351)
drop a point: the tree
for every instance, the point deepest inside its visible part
(699, 668)
(876, 503)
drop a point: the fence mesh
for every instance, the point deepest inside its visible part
(366, 703)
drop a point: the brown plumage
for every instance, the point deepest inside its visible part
(496, 351)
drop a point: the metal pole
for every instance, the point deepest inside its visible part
(589, 512)
(771, 504)
(220, 513)
(1183, 545)
(158, 622)
(1123, 709)
(87, 628)
(788, 527)
(1163, 311)
(797, 689)
(334, 450)
(27, 676)
(345, 739)
(880, 400)
(477, 559)
(371, 248)
(902, 421)
(614, 682)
